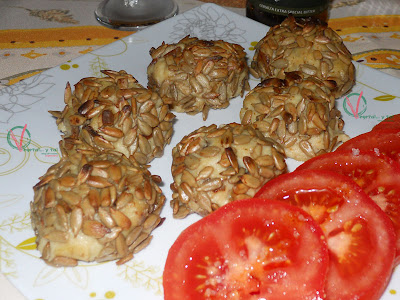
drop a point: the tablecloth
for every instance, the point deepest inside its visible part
(41, 34)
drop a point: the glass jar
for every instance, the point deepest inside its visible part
(273, 12)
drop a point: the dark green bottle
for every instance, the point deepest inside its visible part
(273, 12)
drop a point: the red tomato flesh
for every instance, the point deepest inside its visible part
(392, 122)
(386, 142)
(378, 176)
(360, 237)
(248, 249)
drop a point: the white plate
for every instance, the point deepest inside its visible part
(27, 103)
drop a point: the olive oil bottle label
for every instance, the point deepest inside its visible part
(297, 8)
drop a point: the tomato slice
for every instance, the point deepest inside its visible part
(378, 176)
(392, 122)
(386, 142)
(360, 237)
(248, 249)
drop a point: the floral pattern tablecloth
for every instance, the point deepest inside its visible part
(38, 35)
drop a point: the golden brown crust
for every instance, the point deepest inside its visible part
(308, 46)
(116, 113)
(213, 166)
(195, 75)
(94, 207)
(298, 112)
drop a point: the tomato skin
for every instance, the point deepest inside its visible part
(360, 237)
(378, 176)
(385, 141)
(225, 243)
(392, 122)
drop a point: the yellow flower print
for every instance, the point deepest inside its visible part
(394, 59)
(32, 54)
(395, 35)
(351, 38)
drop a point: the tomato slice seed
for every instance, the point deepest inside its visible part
(249, 249)
(377, 175)
(360, 237)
